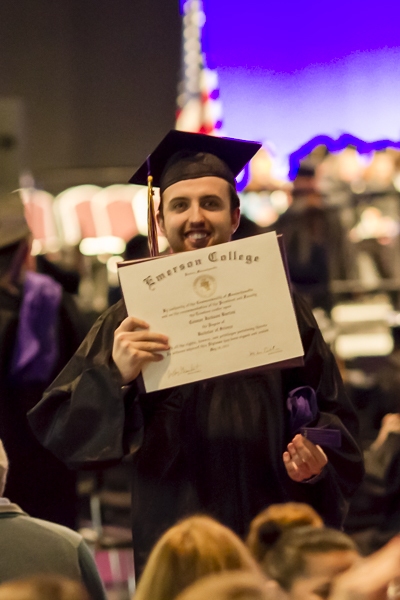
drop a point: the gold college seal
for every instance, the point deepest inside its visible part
(205, 286)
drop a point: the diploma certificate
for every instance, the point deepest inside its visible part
(225, 308)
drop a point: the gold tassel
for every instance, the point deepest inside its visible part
(151, 219)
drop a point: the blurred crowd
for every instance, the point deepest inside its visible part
(340, 219)
(289, 554)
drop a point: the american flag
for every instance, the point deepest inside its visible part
(199, 107)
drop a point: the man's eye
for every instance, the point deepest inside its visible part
(210, 204)
(179, 206)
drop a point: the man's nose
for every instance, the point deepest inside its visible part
(196, 213)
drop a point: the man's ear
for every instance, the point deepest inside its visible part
(160, 221)
(235, 218)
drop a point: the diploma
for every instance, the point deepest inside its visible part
(225, 308)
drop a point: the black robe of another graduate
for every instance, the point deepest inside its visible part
(212, 447)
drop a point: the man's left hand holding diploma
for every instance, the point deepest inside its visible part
(134, 346)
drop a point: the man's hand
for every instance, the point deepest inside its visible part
(303, 459)
(134, 346)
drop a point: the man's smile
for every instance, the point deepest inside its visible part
(197, 238)
(196, 235)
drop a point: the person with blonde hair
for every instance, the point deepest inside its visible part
(278, 517)
(43, 587)
(235, 585)
(194, 548)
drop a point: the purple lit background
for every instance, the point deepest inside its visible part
(291, 71)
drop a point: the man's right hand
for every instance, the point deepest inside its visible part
(134, 346)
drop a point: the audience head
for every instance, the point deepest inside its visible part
(195, 547)
(137, 247)
(43, 587)
(267, 526)
(304, 561)
(235, 585)
(14, 232)
(3, 468)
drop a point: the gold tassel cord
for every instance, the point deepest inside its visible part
(151, 219)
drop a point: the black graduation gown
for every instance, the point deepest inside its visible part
(212, 447)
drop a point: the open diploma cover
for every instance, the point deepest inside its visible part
(225, 308)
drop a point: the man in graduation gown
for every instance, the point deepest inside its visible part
(222, 446)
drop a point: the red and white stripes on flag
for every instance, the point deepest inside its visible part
(199, 107)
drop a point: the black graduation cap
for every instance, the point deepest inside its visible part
(182, 146)
(182, 155)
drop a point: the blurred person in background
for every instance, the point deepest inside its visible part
(31, 546)
(373, 384)
(374, 515)
(43, 587)
(137, 247)
(234, 585)
(284, 516)
(68, 278)
(305, 560)
(362, 186)
(315, 239)
(39, 331)
(305, 234)
(192, 549)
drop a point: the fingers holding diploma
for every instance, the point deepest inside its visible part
(303, 459)
(134, 346)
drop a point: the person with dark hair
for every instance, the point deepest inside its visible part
(222, 446)
(374, 514)
(39, 331)
(137, 247)
(278, 516)
(305, 560)
(315, 240)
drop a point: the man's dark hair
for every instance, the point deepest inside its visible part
(234, 198)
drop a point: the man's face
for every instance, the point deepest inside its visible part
(197, 214)
(321, 569)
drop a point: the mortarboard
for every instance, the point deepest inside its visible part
(182, 155)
